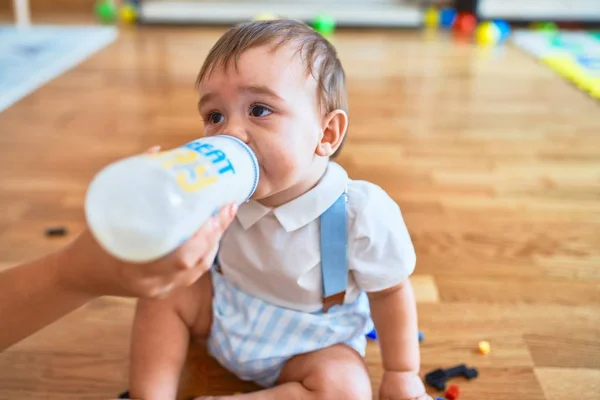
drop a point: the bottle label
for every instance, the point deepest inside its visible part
(195, 165)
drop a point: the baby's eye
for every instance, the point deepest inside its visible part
(215, 117)
(257, 110)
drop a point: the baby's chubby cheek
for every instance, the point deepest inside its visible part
(279, 172)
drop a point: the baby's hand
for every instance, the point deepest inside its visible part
(402, 386)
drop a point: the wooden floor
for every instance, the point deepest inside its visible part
(494, 160)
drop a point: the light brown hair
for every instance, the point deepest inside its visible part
(318, 55)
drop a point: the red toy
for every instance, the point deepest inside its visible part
(465, 23)
(452, 392)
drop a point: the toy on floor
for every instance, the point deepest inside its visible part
(324, 24)
(484, 347)
(128, 13)
(106, 11)
(504, 29)
(465, 23)
(545, 26)
(431, 17)
(438, 378)
(266, 16)
(373, 335)
(452, 393)
(447, 17)
(56, 231)
(491, 33)
(488, 34)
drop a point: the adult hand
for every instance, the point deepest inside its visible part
(93, 271)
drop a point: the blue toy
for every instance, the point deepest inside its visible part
(504, 28)
(372, 335)
(447, 17)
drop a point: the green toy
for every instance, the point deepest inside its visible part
(106, 11)
(545, 26)
(324, 24)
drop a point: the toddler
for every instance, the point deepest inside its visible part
(311, 263)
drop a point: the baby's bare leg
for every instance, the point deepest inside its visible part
(333, 373)
(160, 337)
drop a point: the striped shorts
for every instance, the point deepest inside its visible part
(254, 339)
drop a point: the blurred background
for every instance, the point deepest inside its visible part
(480, 118)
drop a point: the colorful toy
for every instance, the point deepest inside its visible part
(447, 17)
(545, 26)
(438, 378)
(453, 392)
(488, 34)
(372, 335)
(266, 16)
(56, 231)
(106, 11)
(324, 24)
(484, 347)
(431, 18)
(465, 23)
(128, 13)
(504, 29)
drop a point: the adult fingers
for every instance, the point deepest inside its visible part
(153, 149)
(204, 241)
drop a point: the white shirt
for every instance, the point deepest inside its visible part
(274, 254)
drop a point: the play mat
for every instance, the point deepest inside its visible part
(30, 57)
(573, 54)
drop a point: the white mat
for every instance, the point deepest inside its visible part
(31, 57)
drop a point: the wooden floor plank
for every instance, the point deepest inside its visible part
(569, 383)
(425, 288)
(565, 348)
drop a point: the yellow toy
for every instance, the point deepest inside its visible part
(488, 34)
(128, 14)
(431, 18)
(266, 16)
(484, 347)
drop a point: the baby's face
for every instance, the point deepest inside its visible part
(270, 103)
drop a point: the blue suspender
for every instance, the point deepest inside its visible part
(334, 253)
(334, 256)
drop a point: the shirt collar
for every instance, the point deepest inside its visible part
(304, 209)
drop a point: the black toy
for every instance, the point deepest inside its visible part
(438, 378)
(56, 231)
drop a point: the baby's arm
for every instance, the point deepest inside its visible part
(382, 260)
(159, 346)
(394, 313)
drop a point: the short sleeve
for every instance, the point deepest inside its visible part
(381, 253)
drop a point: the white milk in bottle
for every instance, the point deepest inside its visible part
(143, 207)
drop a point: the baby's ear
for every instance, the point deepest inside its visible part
(334, 128)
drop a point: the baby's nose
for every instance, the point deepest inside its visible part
(237, 130)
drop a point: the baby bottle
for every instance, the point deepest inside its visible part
(143, 207)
